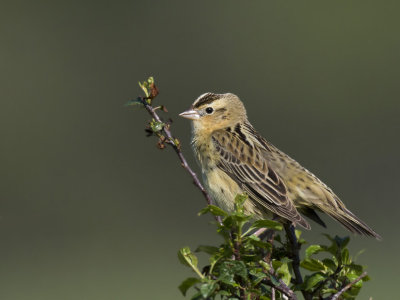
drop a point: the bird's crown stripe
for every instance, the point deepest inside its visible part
(205, 99)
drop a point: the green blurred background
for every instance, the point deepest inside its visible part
(90, 209)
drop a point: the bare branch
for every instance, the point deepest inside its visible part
(273, 294)
(346, 287)
(170, 140)
(174, 143)
(295, 248)
(282, 287)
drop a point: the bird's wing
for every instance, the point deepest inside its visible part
(245, 162)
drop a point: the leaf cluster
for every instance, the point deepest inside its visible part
(150, 90)
(247, 267)
(155, 126)
(334, 270)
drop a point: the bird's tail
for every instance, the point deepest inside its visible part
(353, 223)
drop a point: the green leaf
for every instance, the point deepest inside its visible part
(239, 268)
(301, 241)
(329, 291)
(258, 276)
(255, 241)
(313, 249)
(137, 101)
(276, 264)
(227, 278)
(229, 222)
(228, 269)
(285, 260)
(225, 274)
(350, 294)
(267, 224)
(143, 86)
(240, 199)
(353, 277)
(274, 280)
(312, 264)
(333, 249)
(278, 239)
(345, 256)
(357, 269)
(146, 85)
(187, 258)
(206, 289)
(197, 296)
(330, 264)
(284, 274)
(207, 249)
(213, 261)
(265, 289)
(215, 210)
(342, 242)
(223, 293)
(313, 280)
(265, 265)
(156, 126)
(187, 284)
(240, 218)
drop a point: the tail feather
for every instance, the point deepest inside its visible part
(312, 214)
(354, 224)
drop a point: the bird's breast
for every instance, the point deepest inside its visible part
(221, 187)
(205, 151)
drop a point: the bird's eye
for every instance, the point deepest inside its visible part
(209, 110)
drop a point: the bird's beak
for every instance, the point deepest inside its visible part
(190, 114)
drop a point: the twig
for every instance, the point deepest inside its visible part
(345, 288)
(282, 287)
(171, 141)
(295, 248)
(184, 163)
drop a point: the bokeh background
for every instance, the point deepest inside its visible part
(91, 209)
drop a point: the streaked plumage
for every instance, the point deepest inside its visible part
(234, 158)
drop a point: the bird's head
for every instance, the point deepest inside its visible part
(215, 111)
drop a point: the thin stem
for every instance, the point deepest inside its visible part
(295, 248)
(346, 287)
(282, 287)
(184, 163)
(171, 141)
(198, 272)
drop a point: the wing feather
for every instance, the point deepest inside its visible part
(245, 163)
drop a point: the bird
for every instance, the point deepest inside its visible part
(235, 159)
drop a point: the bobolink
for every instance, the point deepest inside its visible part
(234, 159)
